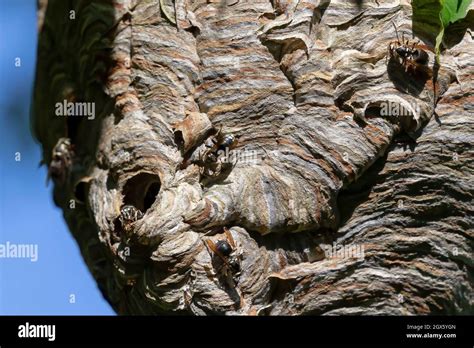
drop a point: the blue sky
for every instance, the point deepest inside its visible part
(27, 212)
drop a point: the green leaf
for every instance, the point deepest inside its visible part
(432, 17)
(453, 10)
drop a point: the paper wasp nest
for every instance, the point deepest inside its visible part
(300, 86)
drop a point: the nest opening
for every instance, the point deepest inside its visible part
(372, 111)
(141, 191)
(178, 138)
(80, 191)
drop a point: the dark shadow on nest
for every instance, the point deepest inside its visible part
(303, 246)
(411, 80)
(224, 280)
(220, 178)
(404, 139)
(358, 192)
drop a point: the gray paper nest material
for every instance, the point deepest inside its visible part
(301, 84)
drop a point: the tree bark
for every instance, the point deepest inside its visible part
(338, 208)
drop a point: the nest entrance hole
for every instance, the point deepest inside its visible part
(141, 191)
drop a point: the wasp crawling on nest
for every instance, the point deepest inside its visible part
(226, 258)
(61, 162)
(214, 159)
(410, 54)
(128, 216)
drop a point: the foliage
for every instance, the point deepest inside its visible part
(432, 17)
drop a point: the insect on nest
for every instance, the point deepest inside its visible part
(410, 54)
(228, 257)
(215, 158)
(128, 216)
(61, 162)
